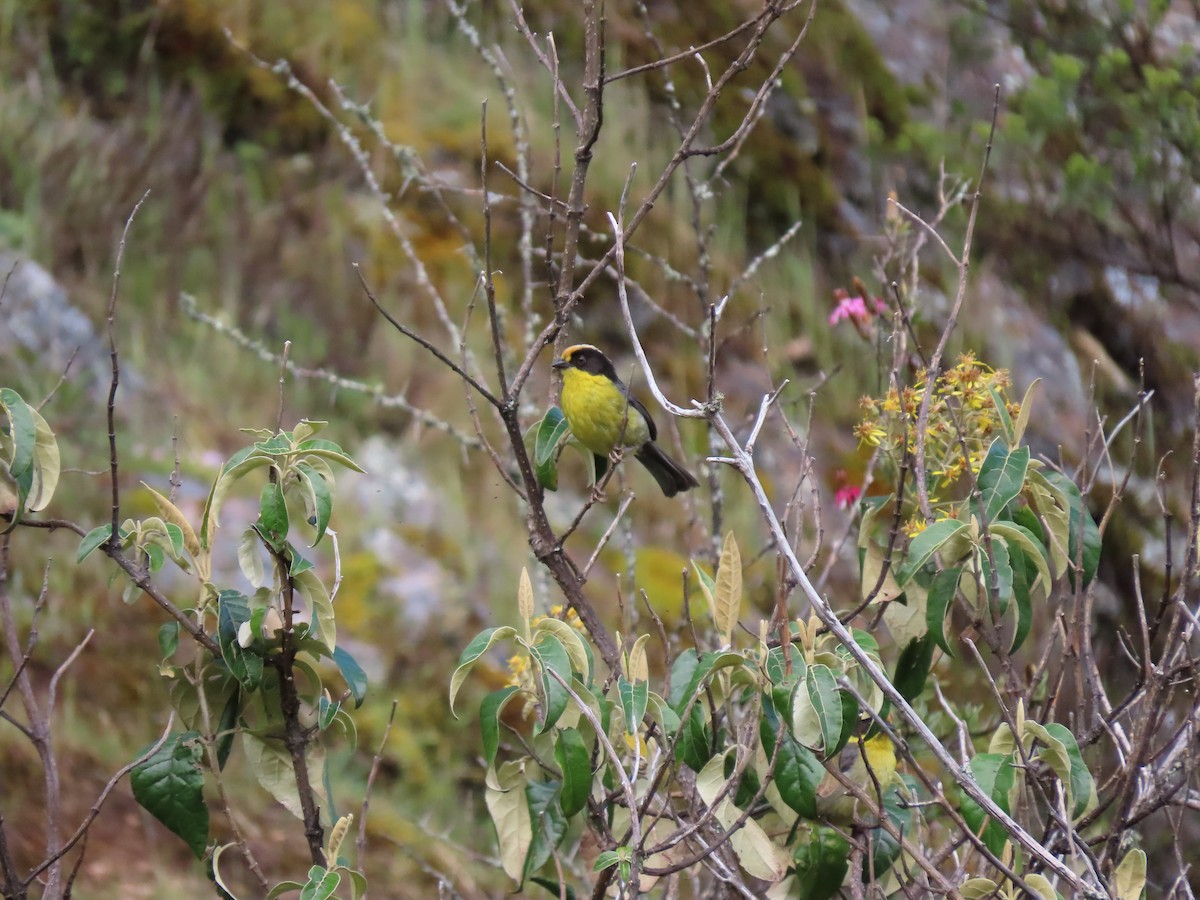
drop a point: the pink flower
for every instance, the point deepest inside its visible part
(850, 308)
(859, 310)
(847, 495)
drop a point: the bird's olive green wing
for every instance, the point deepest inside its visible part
(640, 407)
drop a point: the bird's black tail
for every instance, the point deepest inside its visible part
(670, 475)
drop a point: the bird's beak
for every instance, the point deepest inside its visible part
(559, 364)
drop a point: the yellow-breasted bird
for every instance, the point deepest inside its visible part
(878, 754)
(602, 413)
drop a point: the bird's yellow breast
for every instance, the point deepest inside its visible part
(595, 409)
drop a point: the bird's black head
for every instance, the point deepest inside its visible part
(587, 358)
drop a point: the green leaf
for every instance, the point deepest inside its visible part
(245, 665)
(168, 638)
(575, 763)
(822, 689)
(175, 536)
(319, 499)
(633, 702)
(925, 544)
(1022, 570)
(1006, 423)
(694, 746)
(606, 860)
(575, 646)
(747, 786)
(885, 849)
(330, 451)
(707, 585)
(798, 772)
(170, 786)
(549, 824)
(777, 666)
(489, 720)
(549, 654)
(22, 433)
(550, 431)
(321, 884)
(666, 717)
(479, 645)
(1003, 581)
(240, 464)
(227, 728)
(1027, 519)
(682, 670)
(1083, 527)
(1053, 507)
(821, 864)
(1002, 476)
(274, 444)
(849, 722)
(154, 556)
(994, 774)
(324, 625)
(327, 712)
(356, 678)
(272, 521)
(708, 663)
(1061, 753)
(1019, 536)
(91, 541)
(912, 669)
(296, 563)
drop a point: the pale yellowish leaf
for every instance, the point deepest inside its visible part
(525, 598)
(727, 599)
(872, 565)
(506, 803)
(272, 766)
(1131, 875)
(47, 464)
(977, 888)
(1026, 407)
(1041, 884)
(638, 669)
(756, 852)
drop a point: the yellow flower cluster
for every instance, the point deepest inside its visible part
(561, 612)
(518, 665)
(963, 419)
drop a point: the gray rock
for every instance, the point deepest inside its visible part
(40, 329)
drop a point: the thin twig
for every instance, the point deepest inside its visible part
(360, 845)
(96, 807)
(113, 538)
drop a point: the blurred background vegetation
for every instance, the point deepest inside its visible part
(1086, 271)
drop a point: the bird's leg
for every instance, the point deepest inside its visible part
(614, 458)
